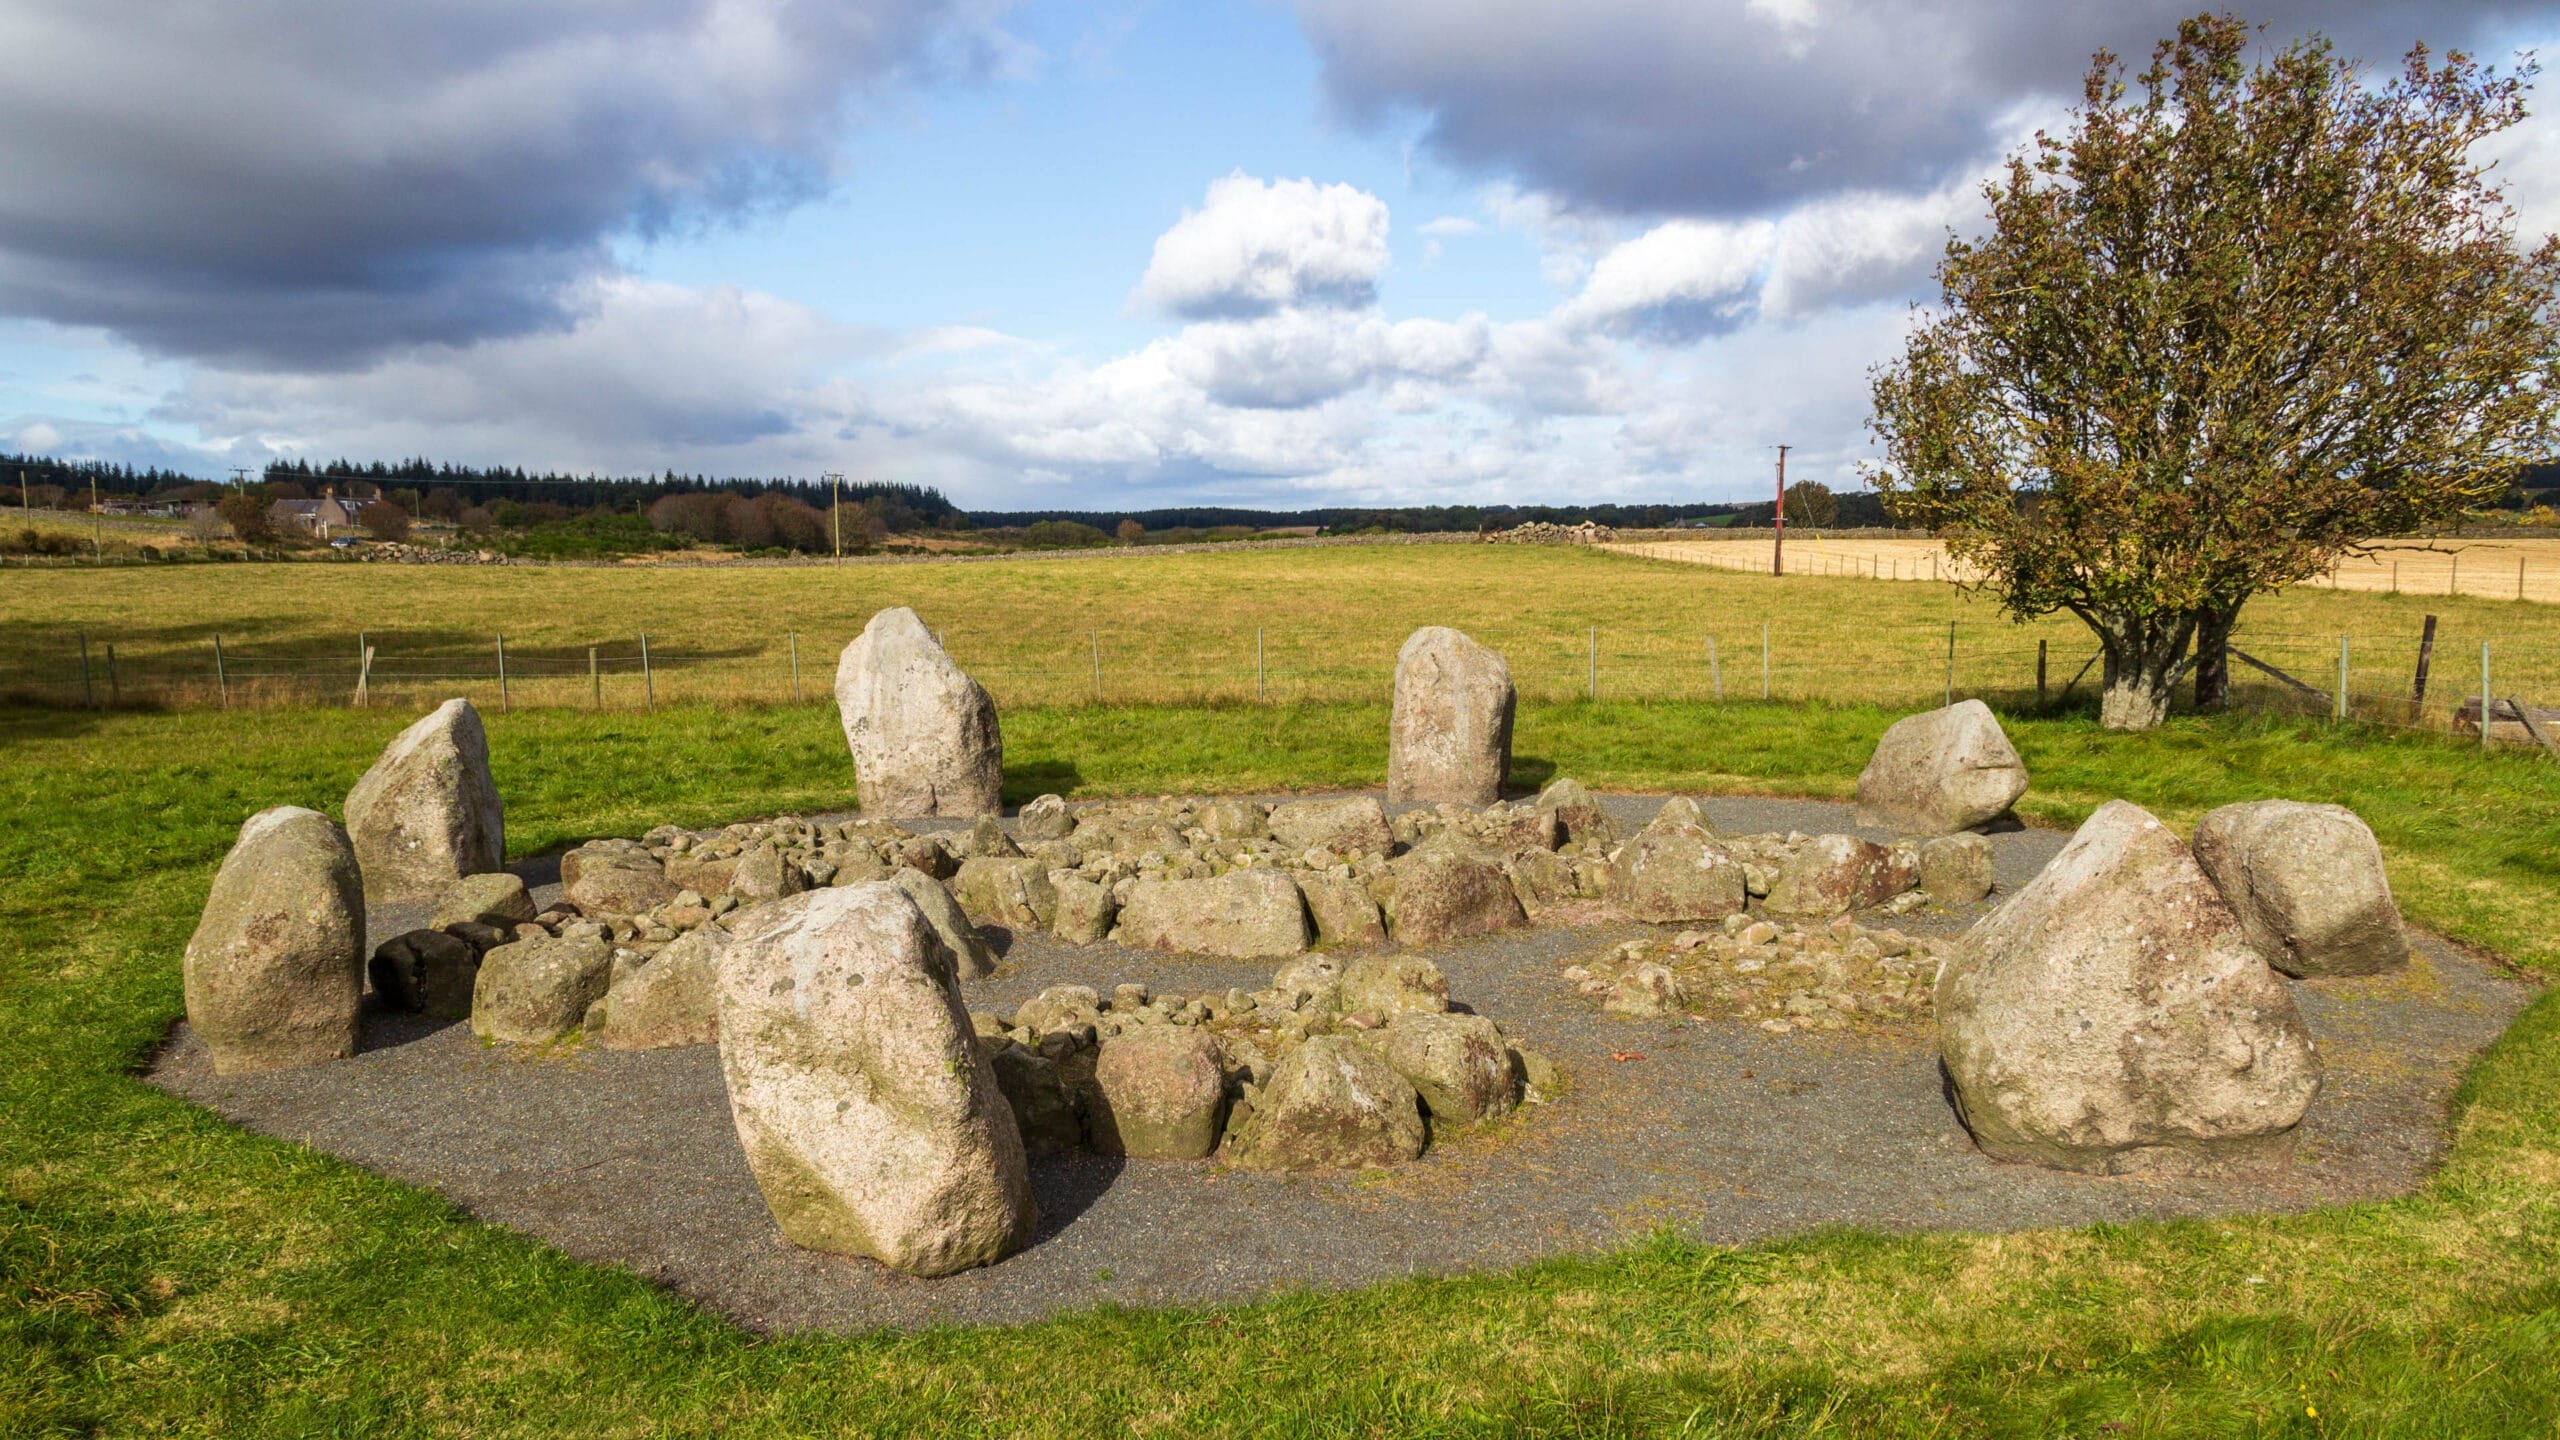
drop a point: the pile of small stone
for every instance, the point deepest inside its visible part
(1540, 532)
(397, 552)
(1836, 976)
(1333, 1066)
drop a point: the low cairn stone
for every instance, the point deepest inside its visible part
(536, 990)
(1014, 893)
(1835, 874)
(1352, 825)
(427, 813)
(973, 958)
(1333, 1103)
(1956, 869)
(924, 736)
(670, 998)
(274, 974)
(2112, 1016)
(1457, 1064)
(1044, 1109)
(496, 898)
(871, 1117)
(1449, 735)
(1675, 871)
(1385, 986)
(427, 972)
(1445, 888)
(2308, 885)
(1162, 1093)
(1783, 977)
(1580, 818)
(1941, 771)
(614, 877)
(1345, 914)
(1243, 913)
(1045, 818)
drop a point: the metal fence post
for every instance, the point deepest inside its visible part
(221, 671)
(2484, 696)
(502, 675)
(595, 681)
(2341, 713)
(648, 680)
(88, 692)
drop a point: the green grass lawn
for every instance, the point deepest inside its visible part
(162, 1272)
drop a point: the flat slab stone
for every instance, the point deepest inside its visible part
(629, 1158)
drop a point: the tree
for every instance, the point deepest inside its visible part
(1131, 532)
(247, 517)
(1810, 502)
(384, 520)
(2230, 328)
(205, 523)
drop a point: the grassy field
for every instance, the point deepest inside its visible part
(163, 1273)
(1282, 625)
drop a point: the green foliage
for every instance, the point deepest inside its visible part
(2226, 329)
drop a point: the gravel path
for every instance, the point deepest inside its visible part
(1719, 1130)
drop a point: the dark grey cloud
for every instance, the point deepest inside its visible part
(1719, 107)
(315, 182)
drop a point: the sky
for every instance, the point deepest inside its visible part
(1108, 255)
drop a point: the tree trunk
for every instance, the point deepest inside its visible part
(2213, 659)
(2146, 656)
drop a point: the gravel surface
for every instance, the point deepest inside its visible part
(1718, 1130)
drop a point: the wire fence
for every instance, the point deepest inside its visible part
(2420, 680)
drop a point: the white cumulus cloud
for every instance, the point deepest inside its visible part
(1257, 246)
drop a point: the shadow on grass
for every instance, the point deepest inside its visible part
(1529, 774)
(1036, 778)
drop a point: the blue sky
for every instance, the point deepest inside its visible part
(1394, 251)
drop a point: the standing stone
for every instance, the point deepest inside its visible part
(923, 734)
(1457, 1063)
(2112, 1016)
(1834, 874)
(1162, 1091)
(275, 971)
(1242, 913)
(427, 813)
(1941, 771)
(672, 999)
(870, 1117)
(2308, 886)
(1332, 1103)
(1449, 740)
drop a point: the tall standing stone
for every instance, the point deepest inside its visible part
(2113, 1017)
(427, 813)
(1941, 771)
(275, 971)
(1449, 741)
(923, 734)
(870, 1117)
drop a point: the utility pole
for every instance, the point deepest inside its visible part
(240, 478)
(22, 492)
(97, 525)
(835, 512)
(1778, 552)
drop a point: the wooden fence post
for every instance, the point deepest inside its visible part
(1097, 666)
(221, 671)
(364, 677)
(1594, 654)
(2040, 673)
(648, 681)
(795, 666)
(1261, 688)
(1715, 671)
(1764, 659)
(88, 692)
(1951, 662)
(595, 681)
(502, 675)
(2426, 654)
(2484, 696)
(115, 689)
(2340, 715)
